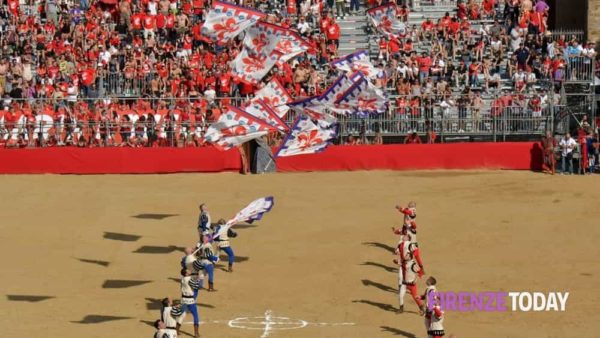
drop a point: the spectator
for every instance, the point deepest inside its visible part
(412, 138)
(567, 146)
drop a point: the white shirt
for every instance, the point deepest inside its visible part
(402, 70)
(515, 39)
(210, 95)
(168, 318)
(152, 7)
(496, 45)
(105, 56)
(530, 78)
(188, 284)
(519, 77)
(303, 27)
(567, 146)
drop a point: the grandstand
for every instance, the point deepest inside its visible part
(81, 74)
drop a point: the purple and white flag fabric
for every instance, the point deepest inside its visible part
(306, 137)
(274, 95)
(384, 19)
(362, 97)
(260, 110)
(358, 62)
(254, 211)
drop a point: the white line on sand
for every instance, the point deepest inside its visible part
(268, 324)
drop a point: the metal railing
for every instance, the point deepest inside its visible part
(580, 69)
(170, 133)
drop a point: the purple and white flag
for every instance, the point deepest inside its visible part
(260, 110)
(327, 99)
(362, 97)
(235, 127)
(358, 62)
(254, 211)
(274, 95)
(306, 137)
(384, 19)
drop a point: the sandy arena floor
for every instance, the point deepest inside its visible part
(105, 248)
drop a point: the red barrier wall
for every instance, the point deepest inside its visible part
(507, 155)
(518, 156)
(117, 160)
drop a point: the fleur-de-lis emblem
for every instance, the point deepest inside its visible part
(357, 67)
(367, 104)
(386, 24)
(229, 27)
(271, 101)
(260, 42)
(253, 64)
(309, 139)
(285, 46)
(234, 131)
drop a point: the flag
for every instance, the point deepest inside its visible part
(324, 120)
(275, 96)
(362, 97)
(225, 21)
(228, 142)
(306, 137)
(251, 67)
(265, 38)
(260, 110)
(291, 45)
(235, 127)
(325, 101)
(358, 62)
(254, 211)
(384, 19)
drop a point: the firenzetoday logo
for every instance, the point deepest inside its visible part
(498, 301)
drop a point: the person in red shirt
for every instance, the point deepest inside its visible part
(333, 33)
(424, 66)
(488, 8)
(393, 46)
(412, 138)
(149, 24)
(474, 69)
(427, 29)
(224, 84)
(137, 21)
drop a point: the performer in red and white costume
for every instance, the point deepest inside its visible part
(433, 313)
(411, 266)
(410, 225)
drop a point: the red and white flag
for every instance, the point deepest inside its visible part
(306, 137)
(291, 45)
(274, 95)
(251, 67)
(384, 19)
(235, 127)
(260, 110)
(358, 62)
(225, 21)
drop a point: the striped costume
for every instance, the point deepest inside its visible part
(189, 292)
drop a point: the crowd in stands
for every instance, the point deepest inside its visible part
(491, 58)
(139, 73)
